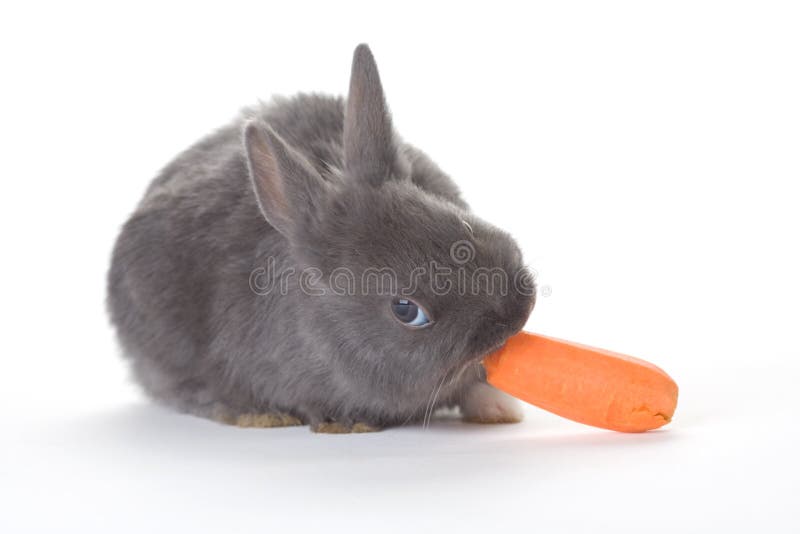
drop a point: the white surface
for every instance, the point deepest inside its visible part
(645, 156)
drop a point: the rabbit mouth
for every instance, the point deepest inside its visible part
(494, 348)
(491, 339)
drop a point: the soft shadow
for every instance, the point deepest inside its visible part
(448, 449)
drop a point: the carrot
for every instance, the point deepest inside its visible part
(592, 386)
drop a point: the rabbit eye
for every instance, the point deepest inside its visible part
(409, 313)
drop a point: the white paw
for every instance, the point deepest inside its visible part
(485, 404)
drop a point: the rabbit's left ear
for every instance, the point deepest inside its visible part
(370, 151)
(288, 189)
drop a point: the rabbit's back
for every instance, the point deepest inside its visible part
(177, 287)
(313, 123)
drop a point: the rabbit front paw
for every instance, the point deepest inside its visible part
(486, 404)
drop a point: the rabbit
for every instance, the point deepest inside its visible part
(244, 287)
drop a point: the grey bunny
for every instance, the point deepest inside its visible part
(303, 265)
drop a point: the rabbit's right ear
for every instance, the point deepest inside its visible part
(288, 189)
(370, 151)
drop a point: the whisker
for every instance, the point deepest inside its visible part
(458, 375)
(433, 404)
(427, 406)
(430, 406)
(429, 411)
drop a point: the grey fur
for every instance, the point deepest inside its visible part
(308, 185)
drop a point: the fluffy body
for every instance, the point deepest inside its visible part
(314, 182)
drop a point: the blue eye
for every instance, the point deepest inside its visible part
(409, 313)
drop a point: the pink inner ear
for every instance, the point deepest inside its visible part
(267, 176)
(269, 179)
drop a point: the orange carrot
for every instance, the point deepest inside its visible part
(592, 386)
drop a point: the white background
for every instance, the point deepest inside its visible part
(645, 154)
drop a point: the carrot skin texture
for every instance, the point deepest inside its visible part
(588, 385)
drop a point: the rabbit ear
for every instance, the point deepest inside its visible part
(370, 152)
(287, 187)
